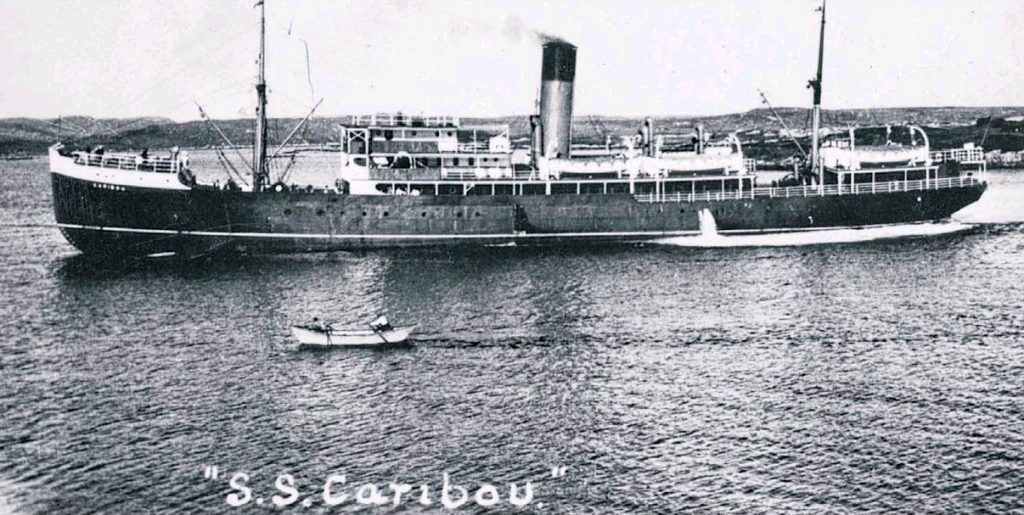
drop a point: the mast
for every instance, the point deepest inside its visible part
(815, 84)
(259, 158)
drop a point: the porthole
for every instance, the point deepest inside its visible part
(423, 214)
(364, 213)
(682, 211)
(459, 214)
(386, 213)
(333, 200)
(320, 212)
(287, 212)
(477, 215)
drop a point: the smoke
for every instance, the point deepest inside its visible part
(517, 30)
(550, 38)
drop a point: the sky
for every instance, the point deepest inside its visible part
(110, 58)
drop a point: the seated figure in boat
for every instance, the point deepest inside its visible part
(321, 326)
(381, 324)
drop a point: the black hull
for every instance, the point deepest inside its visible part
(126, 221)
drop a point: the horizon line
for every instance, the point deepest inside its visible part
(626, 116)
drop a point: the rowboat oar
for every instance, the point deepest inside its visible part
(324, 327)
(379, 333)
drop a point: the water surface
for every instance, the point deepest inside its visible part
(877, 376)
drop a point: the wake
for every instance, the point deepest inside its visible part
(710, 237)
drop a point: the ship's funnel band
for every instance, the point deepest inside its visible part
(559, 61)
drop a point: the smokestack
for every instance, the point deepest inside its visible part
(557, 75)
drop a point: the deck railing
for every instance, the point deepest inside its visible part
(399, 120)
(128, 162)
(962, 155)
(480, 173)
(815, 191)
(473, 147)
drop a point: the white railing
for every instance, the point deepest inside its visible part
(128, 162)
(816, 191)
(396, 120)
(962, 155)
(477, 173)
(473, 147)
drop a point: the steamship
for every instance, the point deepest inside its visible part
(426, 181)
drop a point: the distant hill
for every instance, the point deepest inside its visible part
(758, 128)
(34, 135)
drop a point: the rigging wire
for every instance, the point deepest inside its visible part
(782, 121)
(874, 118)
(228, 90)
(309, 73)
(224, 161)
(305, 44)
(229, 167)
(988, 126)
(287, 171)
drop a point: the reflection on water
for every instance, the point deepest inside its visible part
(879, 375)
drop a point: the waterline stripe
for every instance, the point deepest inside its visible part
(370, 236)
(626, 234)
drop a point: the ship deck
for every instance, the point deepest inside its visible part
(819, 191)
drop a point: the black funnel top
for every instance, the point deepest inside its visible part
(559, 61)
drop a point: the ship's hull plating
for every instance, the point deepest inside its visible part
(122, 221)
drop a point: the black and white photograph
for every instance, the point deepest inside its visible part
(492, 256)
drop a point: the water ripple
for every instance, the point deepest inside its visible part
(872, 377)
